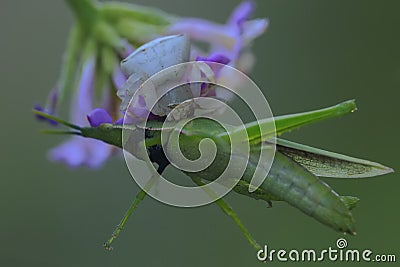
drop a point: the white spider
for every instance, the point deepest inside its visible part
(156, 56)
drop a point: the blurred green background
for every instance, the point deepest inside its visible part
(314, 54)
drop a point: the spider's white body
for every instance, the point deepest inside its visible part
(150, 59)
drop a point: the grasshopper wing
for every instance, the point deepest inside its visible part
(329, 164)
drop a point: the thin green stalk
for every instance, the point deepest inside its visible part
(114, 11)
(70, 61)
(86, 11)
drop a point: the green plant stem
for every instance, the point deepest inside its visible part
(86, 11)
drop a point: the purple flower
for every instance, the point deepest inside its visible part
(225, 41)
(77, 150)
(241, 13)
(230, 39)
(98, 116)
(213, 58)
(228, 44)
(216, 58)
(109, 38)
(118, 77)
(137, 110)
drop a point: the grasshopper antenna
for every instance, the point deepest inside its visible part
(60, 121)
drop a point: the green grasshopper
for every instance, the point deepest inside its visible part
(293, 177)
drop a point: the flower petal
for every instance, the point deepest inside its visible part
(204, 31)
(241, 13)
(118, 77)
(82, 102)
(99, 116)
(70, 152)
(78, 151)
(253, 29)
(215, 57)
(138, 108)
